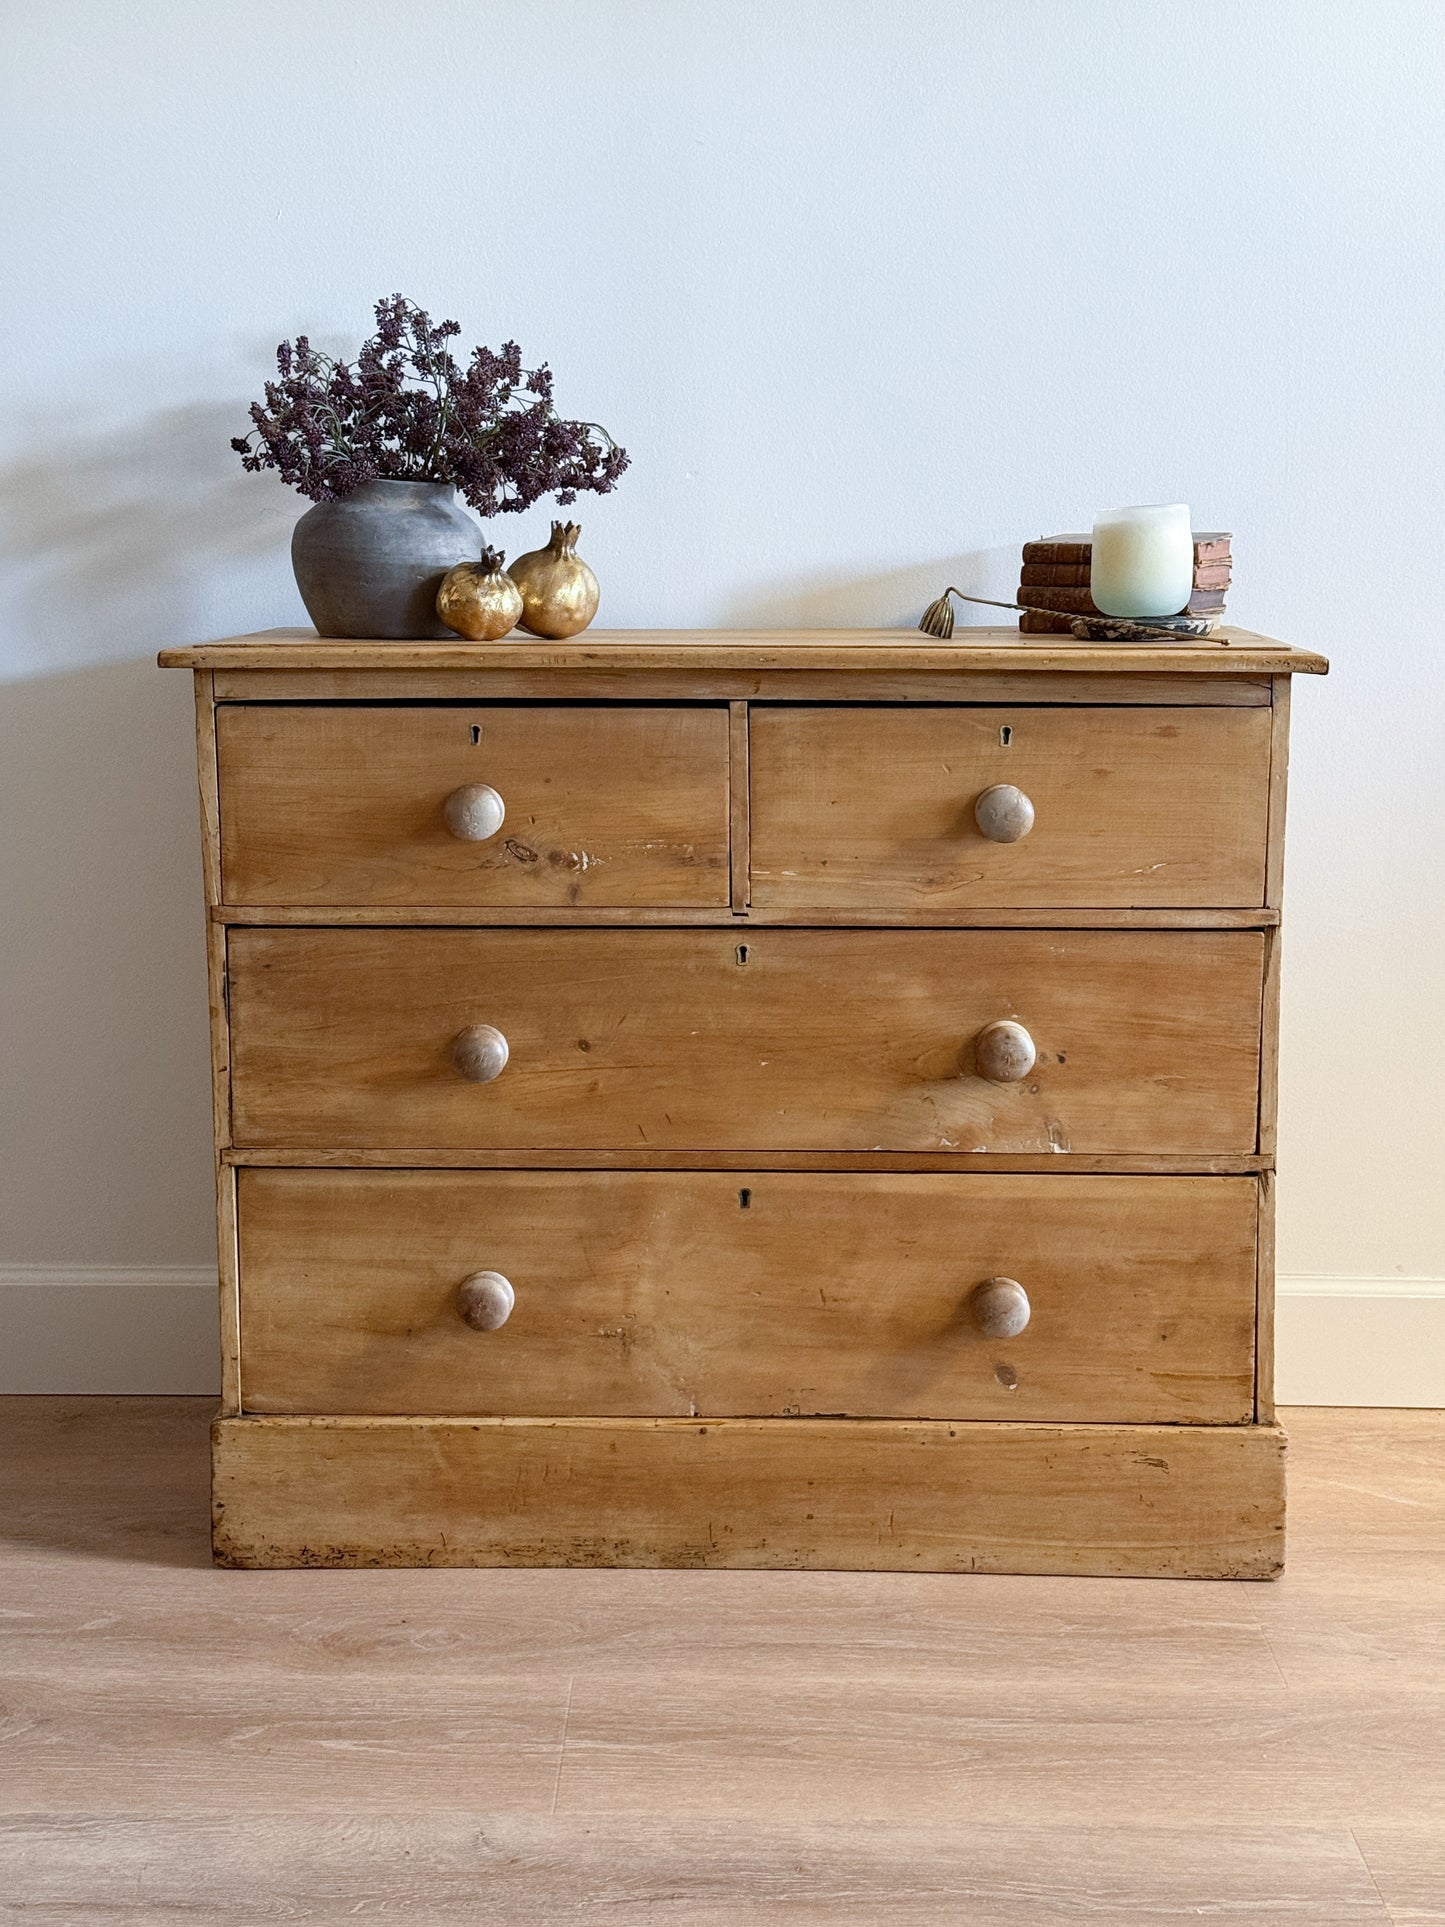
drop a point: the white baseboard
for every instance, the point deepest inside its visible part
(109, 1328)
(1359, 1341)
(152, 1329)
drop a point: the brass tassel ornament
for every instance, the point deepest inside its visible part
(938, 621)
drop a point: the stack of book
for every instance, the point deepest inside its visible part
(1056, 577)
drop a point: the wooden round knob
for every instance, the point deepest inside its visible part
(480, 1053)
(474, 812)
(485, 1300)
(1003, 813)
(1000, 1307)
(1004, 1052)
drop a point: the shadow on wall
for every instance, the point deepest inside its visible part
(112, 547)
(117, 544)
(892, 601)
(102, 973)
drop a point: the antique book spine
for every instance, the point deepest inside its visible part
(1078, 602)
(1075, 575)
(1209, 546)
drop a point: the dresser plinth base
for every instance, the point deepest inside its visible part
(1147, 1501)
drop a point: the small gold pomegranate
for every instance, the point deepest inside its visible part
(479, 599)
(559, 591)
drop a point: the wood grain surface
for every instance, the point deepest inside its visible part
(1227, 652)
(560, 1870)
(864, 916)
(344, 804)
(432, 1157)
(872, 1749)
(1160, 1501)
(875, 806)
(689, 1039)
(959, 683)
(740, 806)
(650, 1293)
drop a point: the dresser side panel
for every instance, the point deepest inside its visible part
(218, 1000)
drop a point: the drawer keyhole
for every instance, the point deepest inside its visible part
(742, 953)
(1005, 735)
(745, 1199)
(476, 734)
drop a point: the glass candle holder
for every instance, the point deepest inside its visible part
(1142, 561)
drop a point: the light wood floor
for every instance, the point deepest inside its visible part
(184, 1745)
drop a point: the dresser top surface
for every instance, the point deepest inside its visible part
(1227, 652)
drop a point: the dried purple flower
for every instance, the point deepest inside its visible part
(406, 411)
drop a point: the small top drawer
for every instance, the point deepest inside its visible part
(512, 807)
(923, 809)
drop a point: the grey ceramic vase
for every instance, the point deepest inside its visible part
(371, 565)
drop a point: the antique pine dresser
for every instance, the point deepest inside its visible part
(746, 1099)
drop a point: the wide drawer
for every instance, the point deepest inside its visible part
(604, 805)
(1146, 1042)
(655, 1294)
(866, 808)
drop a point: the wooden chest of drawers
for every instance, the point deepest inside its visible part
(746, 1099)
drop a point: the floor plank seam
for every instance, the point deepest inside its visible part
(1385, 1907)
(562, 1744)
(1273, 1655)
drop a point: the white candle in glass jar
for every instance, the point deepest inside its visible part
(1142, 561)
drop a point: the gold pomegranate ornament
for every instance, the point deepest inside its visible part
(559, 591)
(479, 599)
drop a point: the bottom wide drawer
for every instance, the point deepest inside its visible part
(767, 1294)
